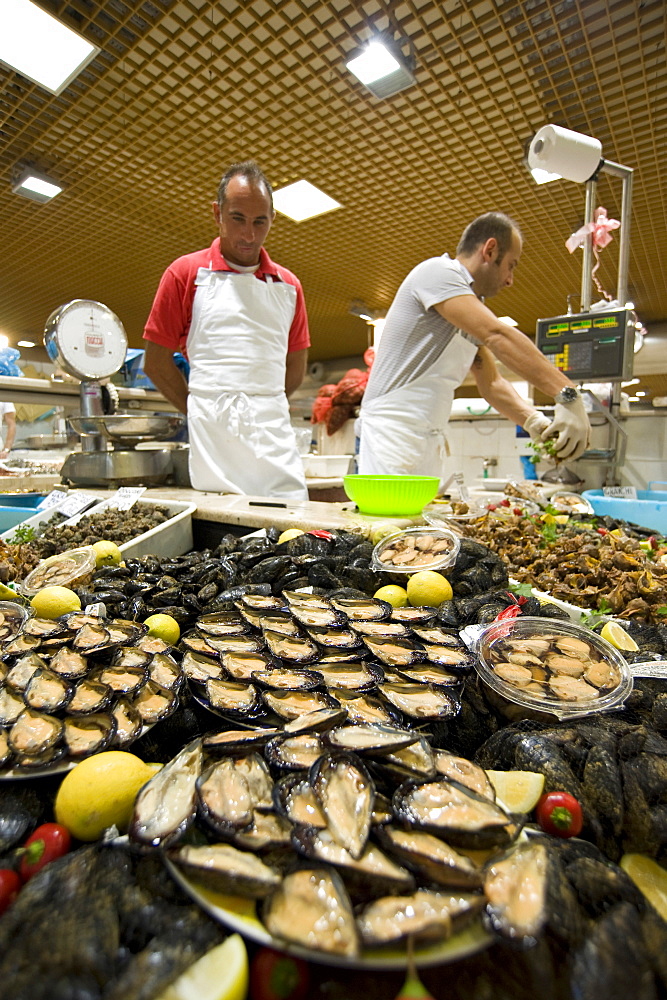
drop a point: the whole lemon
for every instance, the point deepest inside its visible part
(392, 594)
(52, 602)
(429, 589)
(100, 792)
(107, 554)
(289, 533)
(164, 627)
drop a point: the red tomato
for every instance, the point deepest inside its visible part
(48, 842)
(10, 884)
(559, 814)
(275, 976)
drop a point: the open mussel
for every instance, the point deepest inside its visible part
(293, 704)
(46, 692)
(126, 681)
(198, 668)
(155, 703)
(516, 890)
(165, 806)
(395, 652)
(419, 616)
(318, 721)
(445, 656)
(439, 635)
(294, 798)
(414, 761)
(374, 740)
(287, 679)
(420, 701)
(345, 792)
(362, 609)
(291, 648)
(68, 663)
(223, 797)
(430, 673)
(294, 753)
(224, 868)
(235, 699)
(131, 656)
(165, 671)
(235, 740)
(353, 675)
(92, 639)
(382, 629)
(11, 706)
(193, 642)
(19, 676)
(22, 644)
(278, 622)
(430, 857)
(456, 813)
(222, 623)
(88, 734)
(232, 644)
(34, 733)
(129, 723)
(465, 772)
(43, 627)
(425, 915)
(334, 638)
(268, 831)
(262, 602)
(5, 749)
(312, 908)
(362, 707)
(241, 666)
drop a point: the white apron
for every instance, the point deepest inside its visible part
(404, 432)
(241, 438)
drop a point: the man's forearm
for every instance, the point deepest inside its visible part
(166, 376)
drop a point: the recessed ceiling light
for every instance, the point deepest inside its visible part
(25, 343)
(383, 71)
(508, 320)
(40, 46)
(38, 187)
(302, 200)
(543, 176)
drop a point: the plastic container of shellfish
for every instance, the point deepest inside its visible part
(551, 666)
(73, 568)
(415, 549)
(450, 513)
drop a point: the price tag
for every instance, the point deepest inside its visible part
(54, 497)
(624, 492)
(125, 497)
(76, 503)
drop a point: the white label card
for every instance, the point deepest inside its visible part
(77, 502)
(625, 492)
(54, 497)
(126, 496)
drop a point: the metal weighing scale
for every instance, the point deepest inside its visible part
(88, 341)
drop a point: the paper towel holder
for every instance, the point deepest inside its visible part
(548, 152)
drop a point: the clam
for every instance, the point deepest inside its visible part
(46, 692)
(311, 908)
(431, 857)
(295, 799)
(516, 890)
(224, 798)
(154, 703)
(362, 609)
(291, 647)
(318, 721)
(232, 698)
(165, 806)
(286, 679)
(351, 675)
(88, 734)
(345, 792)
(454, 812)
(68, 663)
(224, 868)
(375, 739)
(128, 722)
(294, 752)
(420, 701)
(395, 652)
(372, 872)
(34, 733)
(293, 704)
(234, 740)
(425, 915)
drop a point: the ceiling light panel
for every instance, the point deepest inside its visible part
(302, 200)
(40, 46)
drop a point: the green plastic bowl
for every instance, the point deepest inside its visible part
(391, 496)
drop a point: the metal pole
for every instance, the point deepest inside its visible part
(625, 173)
(587, 263)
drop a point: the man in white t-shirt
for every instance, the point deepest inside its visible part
(437, 330)
(8, 417)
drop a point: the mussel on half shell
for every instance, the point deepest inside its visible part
(312, 908)
(345, 792)
(165, 806)
(227, 869)
(454, 812)
(425, 915)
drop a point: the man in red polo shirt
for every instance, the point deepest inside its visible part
(241, 321)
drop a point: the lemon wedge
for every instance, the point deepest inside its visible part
(650, 877)
(519, 791)
(616, 635)
(220, 974)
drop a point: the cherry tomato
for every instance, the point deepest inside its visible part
(321, 533)
(48, 842)
(275, 976)
(505, 503)
(602, 531)
(517, 511)
(559, 814)
(10, 884)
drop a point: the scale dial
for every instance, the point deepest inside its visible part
(86, 339)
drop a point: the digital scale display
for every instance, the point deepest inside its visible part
(590, 347)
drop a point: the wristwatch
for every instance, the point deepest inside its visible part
(567, 395)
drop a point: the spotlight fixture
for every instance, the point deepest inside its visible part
(383, 67)
(32, 184)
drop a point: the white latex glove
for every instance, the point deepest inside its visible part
(571, 429)
(536, 424)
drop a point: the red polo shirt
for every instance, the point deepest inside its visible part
(171, 314)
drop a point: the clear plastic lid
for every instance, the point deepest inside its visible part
(552, 666)
(513, 507)
(440, 513)
(416, 549)
(67, 569)
(570, 503)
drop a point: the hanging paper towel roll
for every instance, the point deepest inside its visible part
(561, 151)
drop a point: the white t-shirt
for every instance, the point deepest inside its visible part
(6, 408)
(415, 334)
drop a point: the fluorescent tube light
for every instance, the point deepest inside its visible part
(384, 72)
(40, 46)
(508, 320)
(25, 343)
(4, 341)
(38, 187)
(302, 200)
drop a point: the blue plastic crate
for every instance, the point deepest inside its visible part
(11, 516)
(649, 509)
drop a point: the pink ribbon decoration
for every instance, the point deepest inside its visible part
(600, 230)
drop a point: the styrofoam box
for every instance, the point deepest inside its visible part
(171, 538)
(326, 466)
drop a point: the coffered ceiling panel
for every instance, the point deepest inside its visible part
(182, 89)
